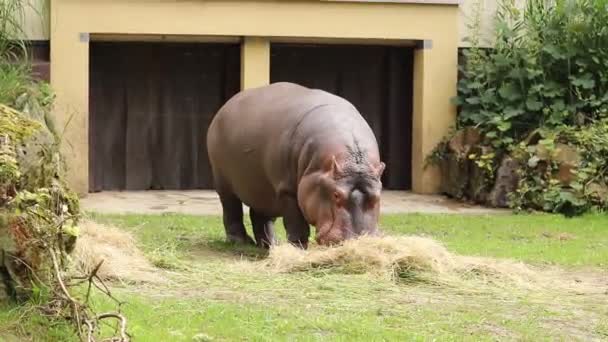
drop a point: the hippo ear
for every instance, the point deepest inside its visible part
(336, 169)
(332, 167)
(378, 169)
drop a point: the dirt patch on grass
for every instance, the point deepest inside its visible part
(559, 236)
(122, 260)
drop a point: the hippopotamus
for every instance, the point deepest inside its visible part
(306, 155)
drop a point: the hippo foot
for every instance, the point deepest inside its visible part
(264, 244)
(240, 240)
(300, 244)
(263, 229)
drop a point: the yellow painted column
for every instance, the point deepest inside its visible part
(435, 77)
(70, 81)
(255, 62)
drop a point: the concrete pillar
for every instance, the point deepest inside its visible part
(70, 81)
(435, 77)
(255, 62)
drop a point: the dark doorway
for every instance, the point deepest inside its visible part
(378, 80)
(150, 107)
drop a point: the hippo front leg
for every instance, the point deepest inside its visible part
(298, 230)
(263, 229)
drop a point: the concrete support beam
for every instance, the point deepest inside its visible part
(70, 81)
(435, 78)
(255, 62)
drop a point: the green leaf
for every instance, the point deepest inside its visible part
(537, 88)
(568, 196)
(475, 85)
(554, 51)
(513, 112)
(463, 88)
(501, 60)
(552, 89)
(533, 104)
(517, 73)
(489, 97)
(533, 73)
(504, 126)
(585, 81)
(576, 186)
(509, 91)
(473, 100)
(558, 105)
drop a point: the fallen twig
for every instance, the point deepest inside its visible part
(80, 312)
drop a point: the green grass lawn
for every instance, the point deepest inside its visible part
(213, 296)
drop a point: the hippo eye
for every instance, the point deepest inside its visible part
(338, 197)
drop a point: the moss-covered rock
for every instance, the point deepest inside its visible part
(38, 212)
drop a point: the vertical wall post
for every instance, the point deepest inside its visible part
(435, 77)
(70, 81)
(255, 62)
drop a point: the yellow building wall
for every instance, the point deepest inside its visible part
(74, 21)
(255, 62)
(35, 19)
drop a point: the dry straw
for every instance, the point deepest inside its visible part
(122, 260)
(419, 259)
(403, 259)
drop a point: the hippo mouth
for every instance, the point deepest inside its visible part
(333, 235)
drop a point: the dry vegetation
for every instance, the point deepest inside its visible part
(176, 280)
(418, 259)
(117, 253)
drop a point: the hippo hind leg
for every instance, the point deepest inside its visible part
(263, 229)
(232, 208)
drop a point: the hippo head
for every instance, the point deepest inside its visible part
(342, 200)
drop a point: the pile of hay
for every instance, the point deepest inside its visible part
(122, 260)
(410, 259)
(393, 256)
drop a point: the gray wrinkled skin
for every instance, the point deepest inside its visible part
(301, 154)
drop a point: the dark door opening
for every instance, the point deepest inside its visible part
(378, 80)
(150, 107)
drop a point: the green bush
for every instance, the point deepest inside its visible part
(540, 186)
(548, 68)
(544, 84)
(38, 212)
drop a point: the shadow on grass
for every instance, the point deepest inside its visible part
(228, 250)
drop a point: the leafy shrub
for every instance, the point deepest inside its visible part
(38, 211)
(549, 67)
(542, 184)
(545, 77)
